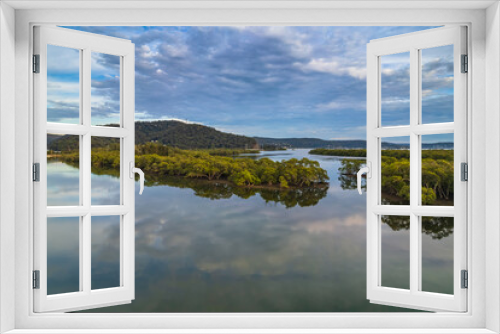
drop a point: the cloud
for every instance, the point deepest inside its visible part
(341, 105)
(259, 81)
(333, 67)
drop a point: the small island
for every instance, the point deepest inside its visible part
(212, 165)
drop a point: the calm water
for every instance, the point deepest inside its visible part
(199, 252)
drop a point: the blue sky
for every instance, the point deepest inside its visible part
(261, 81)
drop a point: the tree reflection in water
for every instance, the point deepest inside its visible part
(436, 227)
(216, 190)
(291, 197)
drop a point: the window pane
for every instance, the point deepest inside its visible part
(437, 254)
(437, 84)
(63, 255)
(105, 252)
(437, 170)
(395, 239)
(105, 171)
(105, 89)
(63, 170)
(395, 90)
(395, 170)
(63, 85)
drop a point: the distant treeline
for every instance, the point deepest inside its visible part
(361, 153)
(310, 142)
(268, 147)
(164, 150)
(157, 159)
(339, 152)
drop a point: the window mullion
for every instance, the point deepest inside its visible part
(85, 161)
(414, 171)
(81, 230)
(405, 210)
(434, 129)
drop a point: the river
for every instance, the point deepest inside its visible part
(197, 253)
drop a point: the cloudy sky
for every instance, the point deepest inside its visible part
(256, 81)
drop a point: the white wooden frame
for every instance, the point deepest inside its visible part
(413, 43)
(483, 315)
(86, 297)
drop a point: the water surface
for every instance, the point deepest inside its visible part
(195, 253)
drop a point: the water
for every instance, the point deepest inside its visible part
(238, 254)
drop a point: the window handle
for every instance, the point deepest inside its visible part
(134, 170)
(368, 171)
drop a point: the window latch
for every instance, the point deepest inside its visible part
(365, 170)
(134, 170)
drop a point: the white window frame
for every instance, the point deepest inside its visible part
(413, 43)
(484, 48)
(86, 297)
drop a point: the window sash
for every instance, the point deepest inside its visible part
(414, 297)
(86, 297)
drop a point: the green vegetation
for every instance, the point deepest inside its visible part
(189, 136)
(161, 160)
(437, 174)
(269, 147)
(230, 152)
(241, 172)
(220, 189)
(350, 167)
(361, 153)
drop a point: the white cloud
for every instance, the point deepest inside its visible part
(178, 50)
(333, 67)
(341, 105)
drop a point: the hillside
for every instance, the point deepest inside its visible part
(188, 136)
(172, 133)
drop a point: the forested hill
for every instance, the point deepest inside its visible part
(172, 133)
(188, 136)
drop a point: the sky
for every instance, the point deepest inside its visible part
(267, 81)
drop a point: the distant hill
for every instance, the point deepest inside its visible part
(311, 142)
(339, 144)
(172, 133)
(188, 136)
(197, 136)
